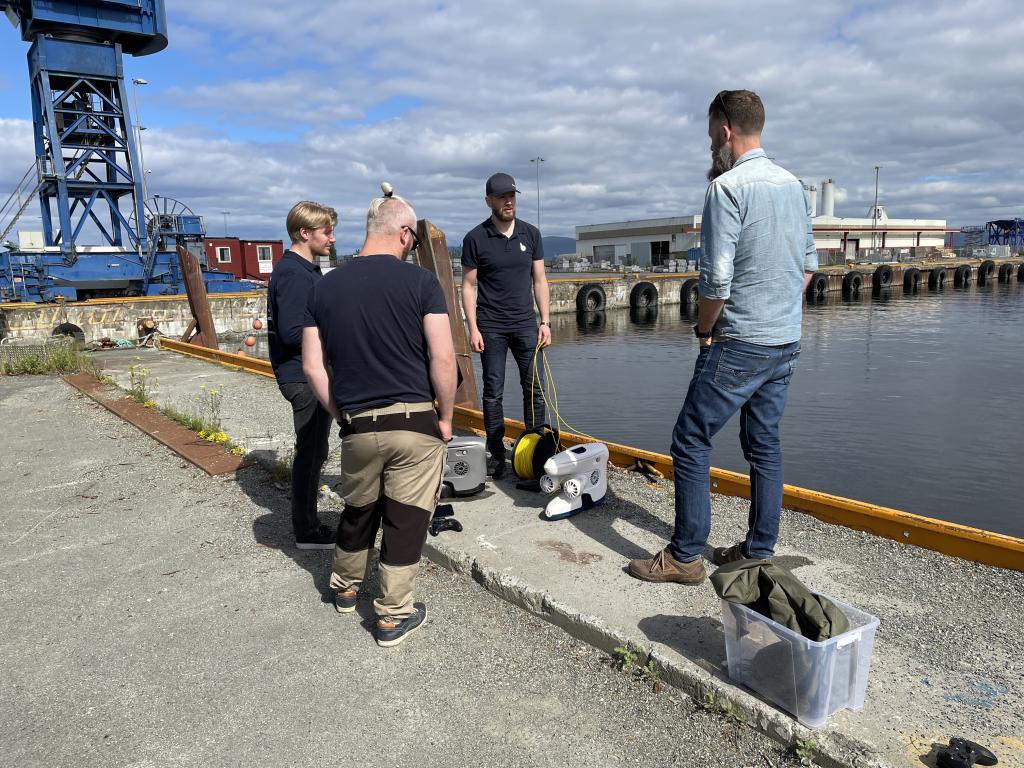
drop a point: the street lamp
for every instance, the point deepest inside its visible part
(136, 82)
(874, 211)
(225, 214)
(538, 161)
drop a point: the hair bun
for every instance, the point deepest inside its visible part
(387, 189)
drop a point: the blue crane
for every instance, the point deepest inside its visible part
(87, 173)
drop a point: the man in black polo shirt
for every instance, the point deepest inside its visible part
(311, 229)
(502, 276)
(377, 350)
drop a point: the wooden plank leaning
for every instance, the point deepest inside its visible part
(433, 255)
(205, 333)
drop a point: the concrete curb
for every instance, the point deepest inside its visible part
(833, 750)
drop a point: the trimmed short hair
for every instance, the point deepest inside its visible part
(742, 110)
(388, 214)
(309, 215)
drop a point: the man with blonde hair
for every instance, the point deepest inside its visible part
(311, 229)
(377, 350)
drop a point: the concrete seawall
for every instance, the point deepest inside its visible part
(117, 318)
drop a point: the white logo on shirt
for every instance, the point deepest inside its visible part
(522, 246)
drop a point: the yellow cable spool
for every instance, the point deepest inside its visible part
(535, 446)
(531, 449)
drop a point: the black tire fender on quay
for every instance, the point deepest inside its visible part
(590, 298)
(644, 294)
(962, 275)
(817, 288)
(985, 270)
(937, 278)
(911, 279)
(853, 283)
(1005, 272)
(882, 278)
(689, 295)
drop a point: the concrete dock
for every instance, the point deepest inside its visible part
(949, 653)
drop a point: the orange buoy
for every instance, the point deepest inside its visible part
(250, 341)
(257, 324)
(241, 352)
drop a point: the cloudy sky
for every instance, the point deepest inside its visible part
(257, 104)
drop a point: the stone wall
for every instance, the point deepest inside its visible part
(116, 319)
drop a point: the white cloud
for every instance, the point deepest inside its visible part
(613, 97)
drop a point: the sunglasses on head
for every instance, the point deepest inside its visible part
(719, 106)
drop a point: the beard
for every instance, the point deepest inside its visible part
(721, 161)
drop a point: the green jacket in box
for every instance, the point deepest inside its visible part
(773, 591)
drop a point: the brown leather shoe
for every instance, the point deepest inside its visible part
(665, 568)
(723, 555)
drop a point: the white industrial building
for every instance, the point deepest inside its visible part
(656, 242)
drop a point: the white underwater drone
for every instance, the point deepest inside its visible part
(582, 475)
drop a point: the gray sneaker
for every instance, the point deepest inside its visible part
(392, 631)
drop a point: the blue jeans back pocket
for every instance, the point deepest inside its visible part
(736, 368)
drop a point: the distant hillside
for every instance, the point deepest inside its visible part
(556, 246)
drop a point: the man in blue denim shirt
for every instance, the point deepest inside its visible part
(757, 257)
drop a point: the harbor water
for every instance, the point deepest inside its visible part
(908, 401)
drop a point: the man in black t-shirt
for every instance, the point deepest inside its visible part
(311, 228)
(380, 326)
(502, 276)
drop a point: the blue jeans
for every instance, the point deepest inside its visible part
(732, 376)
(497, 344)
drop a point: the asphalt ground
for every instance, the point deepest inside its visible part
(151, 615)
(948, 658)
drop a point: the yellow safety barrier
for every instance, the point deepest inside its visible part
(948, 538)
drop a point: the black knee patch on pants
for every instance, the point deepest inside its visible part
(405, 531)
(359, 525)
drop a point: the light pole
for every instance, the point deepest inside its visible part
(874, 210)
(136, 82)
(538, 161)
(225, 214)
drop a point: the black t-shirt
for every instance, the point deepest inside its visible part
(370, 315)
(291, 283)
(504, 274)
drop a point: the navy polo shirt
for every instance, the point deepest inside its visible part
(291, 282)
(370, 314)
(504, 274)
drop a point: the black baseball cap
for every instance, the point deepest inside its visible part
(500, 184)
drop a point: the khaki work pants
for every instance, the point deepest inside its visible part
(392, 461)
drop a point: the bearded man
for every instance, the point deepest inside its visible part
(757, 256)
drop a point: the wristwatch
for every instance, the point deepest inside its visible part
(545, 322)
(701, 334)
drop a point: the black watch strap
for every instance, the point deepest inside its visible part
(701, 334)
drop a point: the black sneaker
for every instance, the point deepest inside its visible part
(391, 632)
(345, 600)
(322, 538)
(496, 467)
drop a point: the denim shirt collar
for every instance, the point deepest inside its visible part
(750, 155)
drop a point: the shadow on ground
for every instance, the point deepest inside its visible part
(698, 638)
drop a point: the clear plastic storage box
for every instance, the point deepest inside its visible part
(808, 679)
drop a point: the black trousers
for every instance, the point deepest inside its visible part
(312, 429)
(497, 345)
